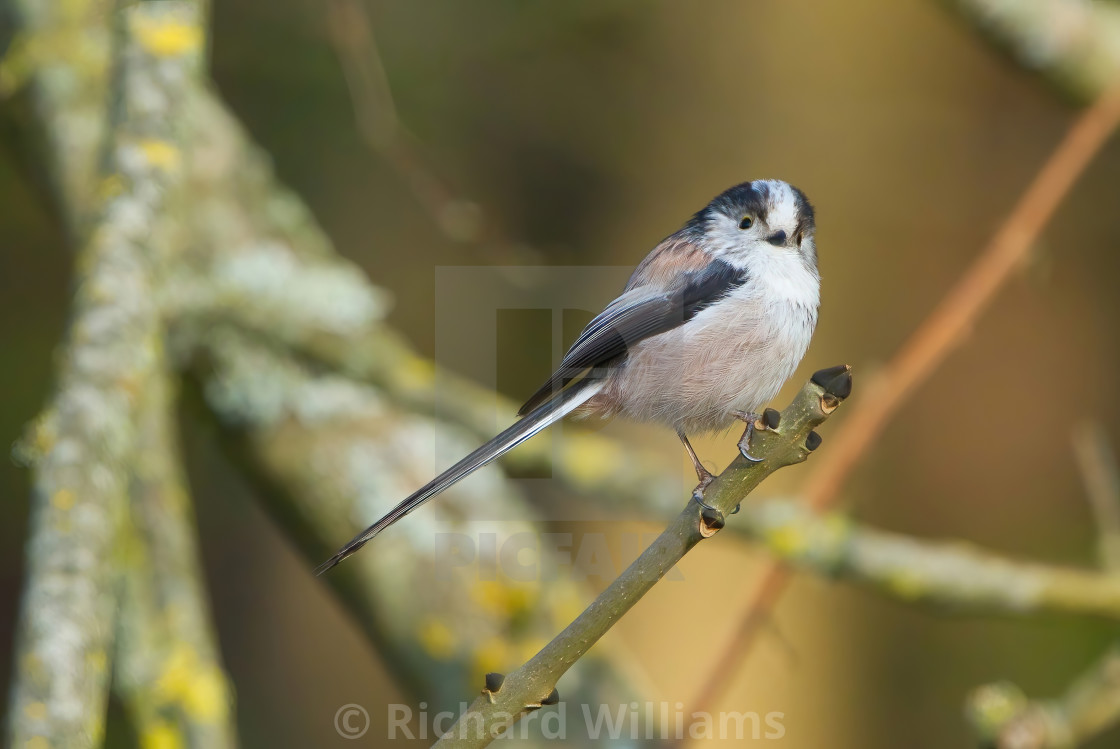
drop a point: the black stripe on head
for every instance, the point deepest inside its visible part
(807, 217)
(735, 202)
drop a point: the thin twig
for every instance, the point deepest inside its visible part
(506, 699)
(379, 124)
(1098, 467)
(948, 324)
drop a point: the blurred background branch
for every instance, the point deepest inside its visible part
(167, 671)
(950, 575)
(1074, 44)
(84, 446)
(1001, 713)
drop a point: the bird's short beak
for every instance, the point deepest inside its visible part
(778, 238)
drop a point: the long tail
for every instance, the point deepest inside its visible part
(551, 412)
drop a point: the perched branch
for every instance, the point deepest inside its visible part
(1075, 44)
(83, 444)
(790, 440)
(926, 349)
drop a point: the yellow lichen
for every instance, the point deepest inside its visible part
(160, 154)
(502, 599)
(207, 699)
(161, 735)
(62, 500)
(37, 742)
(35, 711)
(417, 372)
(198, 687)
(906, 584)
(166, 37)
(437, 639)
(786, 540)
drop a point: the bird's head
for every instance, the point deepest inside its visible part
(763, 220)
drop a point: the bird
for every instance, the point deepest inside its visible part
(709, 327)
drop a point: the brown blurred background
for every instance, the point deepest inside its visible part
(586, 131)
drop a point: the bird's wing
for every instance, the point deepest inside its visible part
(644, 310)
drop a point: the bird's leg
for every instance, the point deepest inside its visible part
(702, 473)
(745, 441)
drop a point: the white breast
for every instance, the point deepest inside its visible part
(733, 356)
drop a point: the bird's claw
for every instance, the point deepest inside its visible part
(698, 492)
(743, 450)
(745, 441)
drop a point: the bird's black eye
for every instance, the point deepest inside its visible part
(746, 222)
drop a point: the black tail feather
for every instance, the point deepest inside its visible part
(549, 413)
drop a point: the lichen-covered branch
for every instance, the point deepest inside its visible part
(950, 574)
(167, 670)
(506, 699)
(1075, 44)
(61, 55)
(83, 444)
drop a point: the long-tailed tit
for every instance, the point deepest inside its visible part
(709, 327)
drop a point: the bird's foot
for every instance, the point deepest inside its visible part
(770, 419)
(745, 440)
(706, 478)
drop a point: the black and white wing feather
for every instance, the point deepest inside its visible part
(641, 312)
